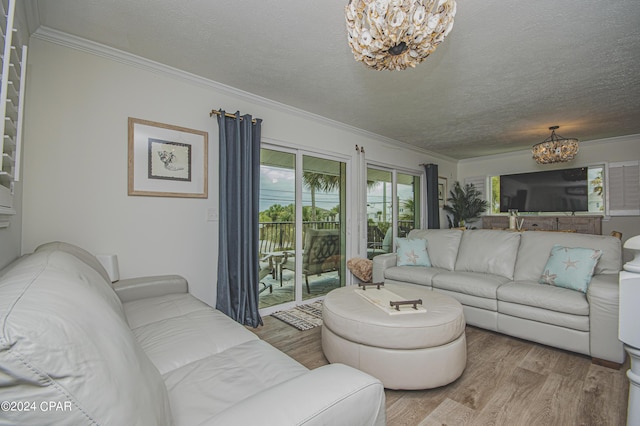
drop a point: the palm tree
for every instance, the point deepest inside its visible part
(408, 209)
(334, 212)
(319, 182)
(275, 212)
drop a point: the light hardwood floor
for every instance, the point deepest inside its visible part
(507, 381)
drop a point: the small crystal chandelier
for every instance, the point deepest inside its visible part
(396, 34)
(555, 149)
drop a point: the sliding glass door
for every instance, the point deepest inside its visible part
(393, 207)
(409, 200)
(323, 230)
(302, 226)
(277, 224)
(379, 212)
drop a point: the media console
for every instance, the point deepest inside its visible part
(580, 224)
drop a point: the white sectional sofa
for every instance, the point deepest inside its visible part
(494, 274)
(75, 350)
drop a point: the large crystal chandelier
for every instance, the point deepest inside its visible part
(555, 149)
(396, 34)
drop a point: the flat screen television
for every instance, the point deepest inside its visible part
(549, 191)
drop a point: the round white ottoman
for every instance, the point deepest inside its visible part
(409, 351)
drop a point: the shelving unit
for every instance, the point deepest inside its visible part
(579, 224)
(13, 58)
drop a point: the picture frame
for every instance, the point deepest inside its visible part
(442, 191)
(167, 160)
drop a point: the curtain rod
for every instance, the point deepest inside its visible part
(226, 114)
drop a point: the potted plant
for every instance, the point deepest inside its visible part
(464, 205)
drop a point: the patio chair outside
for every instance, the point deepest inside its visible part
(321, 254)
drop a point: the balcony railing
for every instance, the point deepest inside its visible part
(281, 236)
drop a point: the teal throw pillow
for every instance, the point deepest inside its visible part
(570, 267)
(412, 252)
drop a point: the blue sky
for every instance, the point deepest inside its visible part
(277, 186)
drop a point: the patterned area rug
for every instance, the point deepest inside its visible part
(303, 317)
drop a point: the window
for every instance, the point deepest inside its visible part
(624, 188)
(302, 226)
(393, 207)
(408, 190)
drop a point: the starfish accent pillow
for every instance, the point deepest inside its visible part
(570, 267)
(412, 252)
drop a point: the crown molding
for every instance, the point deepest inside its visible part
(67, 40)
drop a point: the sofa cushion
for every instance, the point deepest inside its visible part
(442, 245)
(86, 268)
(141, 312)
(488, 251)
(531, 293)
(175, 341)
(78, 252)
(467, 300)
(412, 252)
(200, 390)
(570, 267)
(535, 247)
(471, 283)
(531, 313)
(63, 338)
(421, 275)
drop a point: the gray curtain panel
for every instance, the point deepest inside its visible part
(238, 281)
(433, 211)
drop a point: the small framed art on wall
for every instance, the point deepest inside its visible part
(166, 160)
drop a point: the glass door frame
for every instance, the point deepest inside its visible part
(394, 170)
(299, 152)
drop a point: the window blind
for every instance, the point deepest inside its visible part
(624, 188)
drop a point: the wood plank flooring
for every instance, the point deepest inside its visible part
(507, 381)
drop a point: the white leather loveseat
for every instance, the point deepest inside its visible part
(495, 274)
(73, 351)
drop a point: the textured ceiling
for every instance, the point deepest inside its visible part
(507, 71)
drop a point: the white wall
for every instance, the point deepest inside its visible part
(75, 170)
(591, 152)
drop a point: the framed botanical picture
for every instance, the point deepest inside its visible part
(166, 160)
(442, 191)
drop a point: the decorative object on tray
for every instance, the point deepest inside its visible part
(303, 317)
(166, 160)
(390, 302)
(364, 285)
(400, 303)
